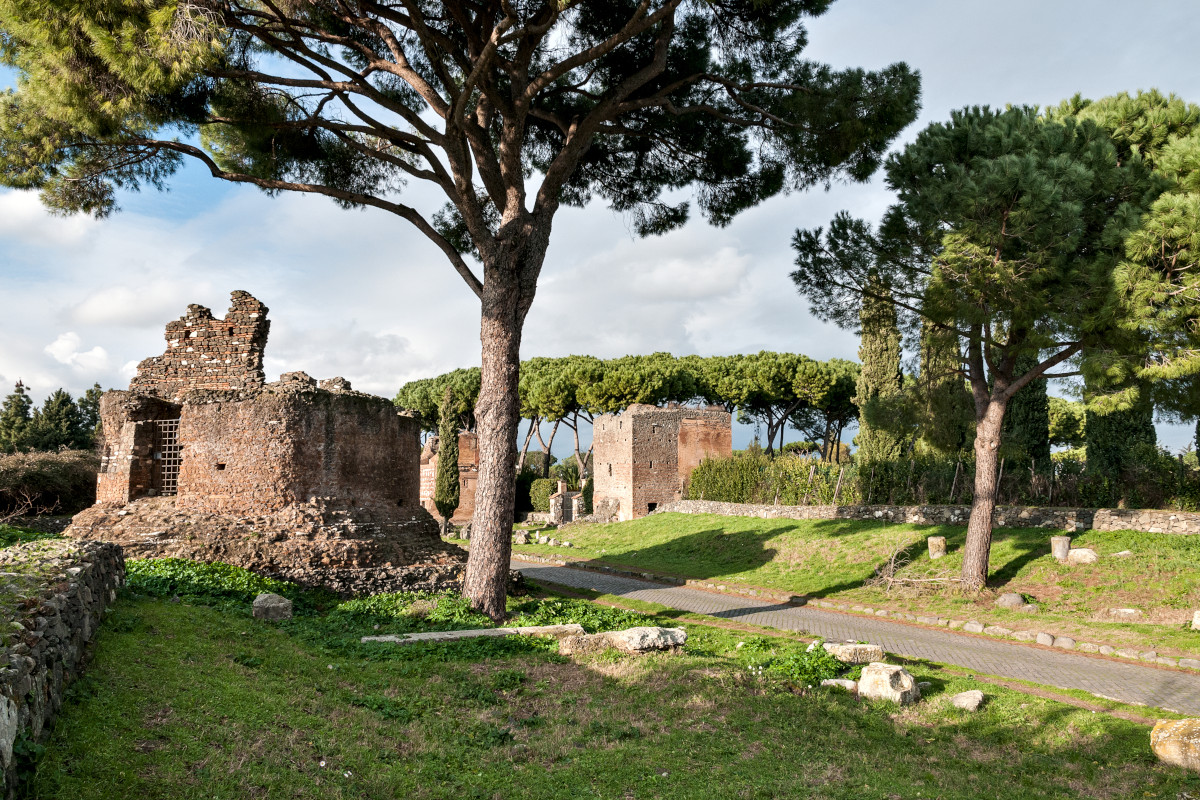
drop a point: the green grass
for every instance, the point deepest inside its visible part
(195, 699)
(832, 558)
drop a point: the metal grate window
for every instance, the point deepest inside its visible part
(166, 456)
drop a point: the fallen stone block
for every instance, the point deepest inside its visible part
(1088, 647)
(642, 639)
(1125, 614)
(968, 701)
(997, 630)
(1082, 555)
(557, 631)
(888, 682)
(1189, 663)
(1177, 742)
(1029, 608)
(1024, 636)
(855, 653)
(1045, 639)
(1064, 642)
(973, 627)
(272, 607)
(1010, 600)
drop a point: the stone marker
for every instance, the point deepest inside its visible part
(1045, 638)
(968, 701)
(1060, 546)
(1196, 621)
(1177, 742)
(937, 546)
(272, 607)
(855, 653)
(888, 682)
(973, 627)
(1010, 600)
(1082, 555)
(840, 683)
(1125, 614)
(642, 639)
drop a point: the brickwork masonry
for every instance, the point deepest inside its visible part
(54, 593)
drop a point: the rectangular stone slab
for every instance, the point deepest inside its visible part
(557, 631)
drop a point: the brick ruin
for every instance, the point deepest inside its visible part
(468, 476)
(316, 483)
(644, 457)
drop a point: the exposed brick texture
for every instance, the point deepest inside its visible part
(208, 353)
(644, 456)
(468, 476)
(314, 482)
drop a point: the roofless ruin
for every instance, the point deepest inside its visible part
(311, 482)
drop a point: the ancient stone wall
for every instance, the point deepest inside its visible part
(126, 466)
(468, 476)
(644, 456)
(292, 443)
(55, 595)
(1066, 519)
(208, 353)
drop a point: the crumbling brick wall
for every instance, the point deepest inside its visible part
(468, 476)
(208, 353)
(644, 456)
(126, 466)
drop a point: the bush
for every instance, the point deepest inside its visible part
(594, 618)
(62, 482)
(525, 479)
(539, 493)
(737, 479)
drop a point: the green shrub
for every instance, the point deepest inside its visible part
(61, 483)
(539, 493)
(736, 479)
(525, 479)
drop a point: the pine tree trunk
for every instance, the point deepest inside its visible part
(510, 281)
(979, 529)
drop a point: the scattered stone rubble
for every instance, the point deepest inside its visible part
(53, 594)
(888, 682)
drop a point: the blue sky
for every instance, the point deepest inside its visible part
(359, 294)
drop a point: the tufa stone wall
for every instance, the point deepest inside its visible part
(644, 457)
(54, 595)
(468, 476)
(1066, 519)
(208, 353)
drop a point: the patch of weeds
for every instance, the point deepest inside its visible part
(215, 583)
(475, 693)
(507, 680)
(611, 731)
(385, 707)
(248, 661)
(481, 735)
(560, 611)
(12, 535)
(27, 753)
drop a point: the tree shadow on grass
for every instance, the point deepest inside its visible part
(702, 555)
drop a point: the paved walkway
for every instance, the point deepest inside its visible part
(1128, 682)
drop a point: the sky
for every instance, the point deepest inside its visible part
(362, 295)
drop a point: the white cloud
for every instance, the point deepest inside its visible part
(66, 350)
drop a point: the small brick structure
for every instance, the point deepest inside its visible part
(565, 505)
(468, 476)
(643, 458)
(312, 482)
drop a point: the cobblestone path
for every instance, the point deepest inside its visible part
(1131, 683)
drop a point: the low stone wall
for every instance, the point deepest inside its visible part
(52, 595)
(1066, 519)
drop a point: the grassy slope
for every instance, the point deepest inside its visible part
(832, 558)
(187, 701)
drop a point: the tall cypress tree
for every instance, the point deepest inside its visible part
(880, 383)
(15, 417)
(89, 414)
(1117, 440)
(1026, 429)
(947, 418)
(446, 489)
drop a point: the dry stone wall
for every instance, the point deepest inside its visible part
(54, 594)
(208, 353)
(1066, 519)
